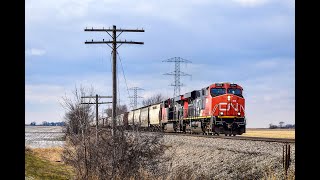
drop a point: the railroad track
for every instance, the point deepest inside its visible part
(280, 140)
(248, 138)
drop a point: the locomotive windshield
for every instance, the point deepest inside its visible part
(234, 91)
(217, 91)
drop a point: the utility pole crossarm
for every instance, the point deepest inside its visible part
(105, 96)
(110, 42)
(95, 97)
(98, 103)
(117, 30)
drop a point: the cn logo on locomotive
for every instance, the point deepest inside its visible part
(228, 105)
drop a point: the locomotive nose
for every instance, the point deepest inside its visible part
(232, 99)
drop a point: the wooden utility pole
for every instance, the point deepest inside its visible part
(114, 47)
(96, 103)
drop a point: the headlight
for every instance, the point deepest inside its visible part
(229, 98)
(221, 113)
(238, 113)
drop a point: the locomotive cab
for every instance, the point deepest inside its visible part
(227, 109)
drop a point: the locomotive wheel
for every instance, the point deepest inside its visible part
(234, 134)
(226, 134)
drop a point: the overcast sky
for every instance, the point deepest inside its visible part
(248, 42)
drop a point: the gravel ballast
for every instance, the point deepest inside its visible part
(216, 158)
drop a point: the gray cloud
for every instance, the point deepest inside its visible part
(244, 41)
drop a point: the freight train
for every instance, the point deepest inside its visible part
(216, 109)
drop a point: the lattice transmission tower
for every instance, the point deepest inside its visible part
(177, 73)
(135, 96)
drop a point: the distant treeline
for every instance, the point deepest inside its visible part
(282, 126)
(45, 123)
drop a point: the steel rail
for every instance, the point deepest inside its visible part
(238, 137)
(265, 139)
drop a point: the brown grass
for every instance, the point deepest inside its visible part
(50, 154)
(37, 167)
(269, 175)
(271, 133)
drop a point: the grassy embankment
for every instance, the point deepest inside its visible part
(45, 163)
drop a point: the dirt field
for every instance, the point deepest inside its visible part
(272, 133)
(44, 136)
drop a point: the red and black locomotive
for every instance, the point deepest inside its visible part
(216, 109)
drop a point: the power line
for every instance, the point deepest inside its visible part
(118, 88)
(125, 80)
(110, 62)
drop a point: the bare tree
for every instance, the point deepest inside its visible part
(77, 129)
(281, 124)
(289, 126)
(271, 126)
(154, 99)
(78, 115)
(120, 110)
